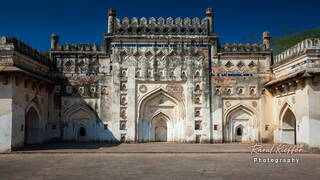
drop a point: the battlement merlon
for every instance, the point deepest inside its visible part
(160, 26)
(56, 47)
(233, 48)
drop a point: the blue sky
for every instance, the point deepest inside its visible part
(85, 21)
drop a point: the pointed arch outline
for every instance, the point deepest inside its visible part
(155, 93)
(149, 96)
(69, 111)
(286, 106)
(237, 107)
(160, 113)
(33, 104)
(231, 111)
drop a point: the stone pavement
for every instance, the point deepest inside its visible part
(137, 148)
(156, 166)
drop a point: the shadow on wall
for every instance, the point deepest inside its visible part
(82, 110)
(77, 105)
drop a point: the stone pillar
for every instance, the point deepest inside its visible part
(111, 19)
(54, 41)
(209, 17)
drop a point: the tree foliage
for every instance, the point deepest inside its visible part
(45, 53)
(282, 43)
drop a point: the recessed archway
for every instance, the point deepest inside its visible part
(240, 125)
(33, 128)
(159, 127)
(80, 123)
(160, 117)
(288, 124)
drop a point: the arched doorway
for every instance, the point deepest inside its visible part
(80, 123)
(82, 133)
(161, 117)
(289, 127)
(32, 127)
(238, 133)
(160, 130)
(240, 125)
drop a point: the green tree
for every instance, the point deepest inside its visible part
(45, 53)
(281, 43)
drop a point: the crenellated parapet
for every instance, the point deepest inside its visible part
(160, 26)
(263, 47)
(10, 43)
(79, 47)
(55, 46)
(240, 48)
(297, 50)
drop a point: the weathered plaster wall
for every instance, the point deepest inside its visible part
(5, 116)
(314, 112)
(27, 93)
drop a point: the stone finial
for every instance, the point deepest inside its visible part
(266, 34)
(111, 19)
(112, 12)
(54, 41)
(3, 40)
(209, 12)
(209, 17)
(266, 39)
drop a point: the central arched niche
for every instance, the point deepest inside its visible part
(288, 127)
(80, 123)
(240, 125)
(33, 131)
(157, 106)
(159, 128)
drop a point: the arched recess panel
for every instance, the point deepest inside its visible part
(80, 124)
(160, 103)
(240, 125)
(288, 131)
(33, 129)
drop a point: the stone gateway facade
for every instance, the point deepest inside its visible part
(159, 80)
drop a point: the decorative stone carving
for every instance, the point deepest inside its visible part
(175, 89)
(81, 90)
(104, 90)
(252, 91)
(123, 113)
(69, 89)
(240, 90)
(143, 88)
(57, 89)
(93, 89)
(123, 127)
(123, 99)
(197, 99)
(197, 112)
(123, 86)
(254, 103)
(227, 103)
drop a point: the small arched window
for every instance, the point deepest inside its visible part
(82, 131)
(197, 87)
(239, 131)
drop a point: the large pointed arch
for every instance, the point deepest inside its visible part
(287, 125)
(286, 106)
(148, 108)
(238, 107)
(34, 125)
(79, 107)
(156, 93)
(243, 116)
